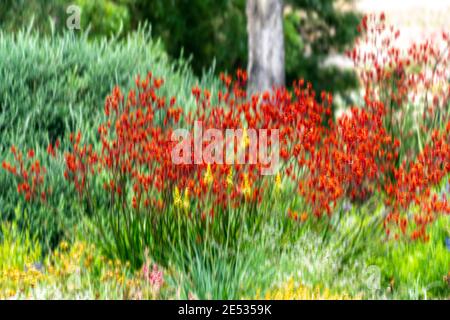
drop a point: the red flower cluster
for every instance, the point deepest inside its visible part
(29, 174)
(403, 78)
(396, 75)
(414, 185)
(352, 157)
(136, 147)
(79, 163)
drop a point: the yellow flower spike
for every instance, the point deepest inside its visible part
(245, 138)
(230, 177)
(177, 202)
(278, 182)
(208, 177)
(186, 202)
(246, 188)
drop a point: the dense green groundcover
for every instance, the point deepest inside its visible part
(54, 86)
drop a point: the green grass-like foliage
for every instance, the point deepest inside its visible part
(418, 266)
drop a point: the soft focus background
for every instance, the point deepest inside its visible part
(53, 83)
(213, 33)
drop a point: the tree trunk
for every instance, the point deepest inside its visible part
(265, 44)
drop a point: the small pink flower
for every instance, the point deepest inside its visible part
(154, 276)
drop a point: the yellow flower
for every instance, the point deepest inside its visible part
(230, 177)
(64, 245)
(208, 177)
(186, 199)
(177, 198)
(278, 182)
(179, 201)
(246, 188)
(245, 138)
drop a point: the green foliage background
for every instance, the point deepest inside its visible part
(209, 31)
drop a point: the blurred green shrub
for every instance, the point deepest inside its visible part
(206, 29)
(53, 85)
(104, 17)
(16, 15)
